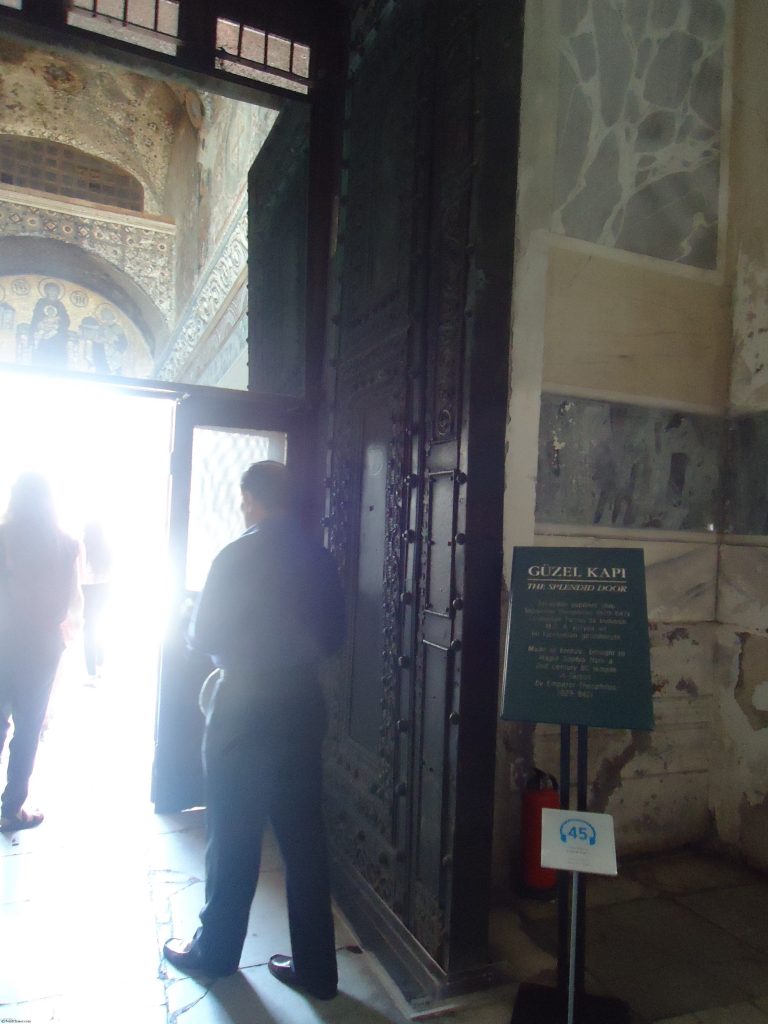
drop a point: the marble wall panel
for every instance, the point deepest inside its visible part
(739, 784)
(742, 598)
(749, 374)
(653, 810)
(639, 120)
(655, 783)
(746, 476)
(680, 578)
(681, 660)
(659, 813)
(748, 209)
(617, 325)
(626, 466)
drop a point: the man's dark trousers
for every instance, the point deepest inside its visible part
(262, 757)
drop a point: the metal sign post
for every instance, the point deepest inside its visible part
(577, 654)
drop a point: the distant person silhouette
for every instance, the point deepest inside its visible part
(38, 588)
(96, 575)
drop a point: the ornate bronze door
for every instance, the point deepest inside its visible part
(415, 475)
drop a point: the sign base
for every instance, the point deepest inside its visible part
(537, 1003)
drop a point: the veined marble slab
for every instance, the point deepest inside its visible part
(739, 785)
(627, 466)
(749, 376)
(743, 587)
(639, 123)
(746, 480)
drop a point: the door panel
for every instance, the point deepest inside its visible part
(419, 348)
(369, 594)
(277, 257)
(215, 439)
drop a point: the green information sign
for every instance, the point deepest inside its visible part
(577, 642)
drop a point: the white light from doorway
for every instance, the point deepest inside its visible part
(106, 455)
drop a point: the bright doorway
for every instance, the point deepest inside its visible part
(106, 453)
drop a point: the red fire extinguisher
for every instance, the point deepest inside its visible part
(540, 792)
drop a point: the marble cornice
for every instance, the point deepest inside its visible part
(85, 210)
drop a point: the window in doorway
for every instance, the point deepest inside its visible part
(253, 53)
(153, 24)
(15, 4)
(219, 459)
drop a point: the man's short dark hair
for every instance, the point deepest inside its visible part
(268, 483)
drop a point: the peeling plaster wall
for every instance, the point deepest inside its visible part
(739, 794)
(620, 362)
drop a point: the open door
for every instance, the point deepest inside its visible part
(416, 432)
(216, 437)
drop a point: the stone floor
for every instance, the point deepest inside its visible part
(680, 938)
(87, 900)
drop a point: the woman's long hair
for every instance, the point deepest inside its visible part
(37, 560)
(31, 503)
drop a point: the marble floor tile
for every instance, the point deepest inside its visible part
(742, 911)
(742, 1013)
(522, 959)
(667, 989)
(656, 931)
(751, 976)
(686, 872)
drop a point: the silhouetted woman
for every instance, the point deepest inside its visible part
(38, 585)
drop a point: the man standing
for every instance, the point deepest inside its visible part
(270, 611)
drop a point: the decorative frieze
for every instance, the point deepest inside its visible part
(211, 295)
(224, 343)
(141, 247)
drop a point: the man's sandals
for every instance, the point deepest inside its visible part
(24, 819)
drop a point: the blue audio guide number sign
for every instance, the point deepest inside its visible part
(578, 841)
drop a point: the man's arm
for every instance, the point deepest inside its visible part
(212, 623)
